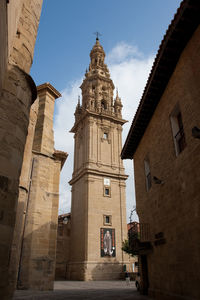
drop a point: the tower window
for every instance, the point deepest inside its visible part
(105, 135)
(103, 105)
(107, 220)
(107, 192)
(178, 131)
(147, 174)
(106, 187)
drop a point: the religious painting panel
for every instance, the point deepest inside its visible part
(107, 237)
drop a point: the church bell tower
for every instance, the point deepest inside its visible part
(98, 213)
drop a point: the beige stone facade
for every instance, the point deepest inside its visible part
(63, 250)
(167, 192)
(18, 29)
(34, 246)
(98, 180)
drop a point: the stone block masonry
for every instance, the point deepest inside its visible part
(34, 245)
(98, 216)
(18, 29)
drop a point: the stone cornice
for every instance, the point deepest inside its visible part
(61, 156)
(97, 115)
(57, 155)
(97, 173)
(42, 154)
(97, 76)
(48, 87)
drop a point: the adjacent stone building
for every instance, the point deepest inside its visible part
(164, 141)
(98, 215)
(34, 246)
(19, 21)
(63, 246)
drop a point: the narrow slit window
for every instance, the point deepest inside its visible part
(106, 187)
(147, 174)
(107, 220)
(107, 191)
(178, 131)
(105, 135)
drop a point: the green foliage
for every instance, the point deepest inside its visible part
(126, 247)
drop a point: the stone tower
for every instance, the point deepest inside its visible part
(98, 216)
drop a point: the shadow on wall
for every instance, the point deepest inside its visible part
(61, 271)
(37, 268)
(63, 248)
(111, 270)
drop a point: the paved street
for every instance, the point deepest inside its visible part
(77, 290)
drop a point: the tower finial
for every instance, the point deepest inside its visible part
(97, 35)
(117, 92)
(78, 100)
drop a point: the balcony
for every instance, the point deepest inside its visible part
(139, 238)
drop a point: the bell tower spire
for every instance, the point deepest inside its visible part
(97, 87)
(98, 216)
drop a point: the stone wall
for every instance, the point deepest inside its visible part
(23, 20)
(24, 187)
(36, 270)
(173, 207)
(34, 246)
(4, 41)
(17, 93)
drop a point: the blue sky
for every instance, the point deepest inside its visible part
(131, 34)
(65, 35)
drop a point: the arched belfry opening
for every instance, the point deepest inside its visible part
(104, 105)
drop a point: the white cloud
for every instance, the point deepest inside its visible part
(63, 122)
(129, 71)
(122, 52)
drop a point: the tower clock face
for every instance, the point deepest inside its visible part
(106, 181)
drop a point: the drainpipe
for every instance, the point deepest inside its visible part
(24, 226)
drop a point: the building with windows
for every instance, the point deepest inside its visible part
(164, 141)
(63, 246)
(98, 214)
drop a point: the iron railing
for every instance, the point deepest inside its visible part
(139, 231)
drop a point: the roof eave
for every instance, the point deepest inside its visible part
(178, 34)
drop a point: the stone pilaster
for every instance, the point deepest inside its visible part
(36, 266)
(44, 138)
